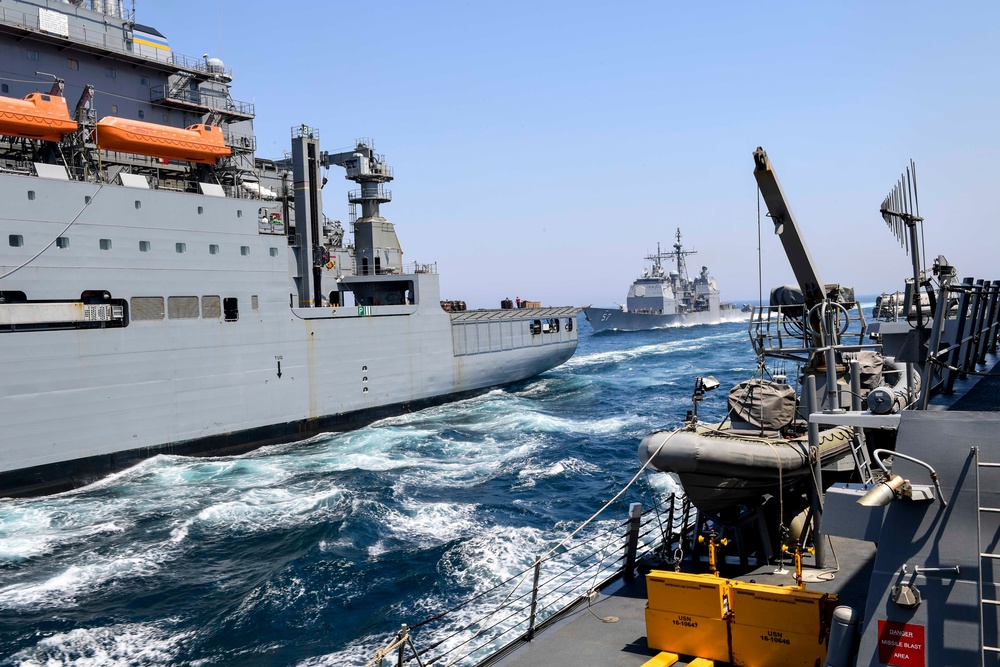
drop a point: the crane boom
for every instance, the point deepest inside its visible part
(787, 229)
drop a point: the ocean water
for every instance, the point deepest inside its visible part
(314, 553)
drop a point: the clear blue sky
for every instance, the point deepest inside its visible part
(541, 149)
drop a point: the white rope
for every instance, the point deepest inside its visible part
(49, 244)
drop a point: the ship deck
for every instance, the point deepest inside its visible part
(583, 638)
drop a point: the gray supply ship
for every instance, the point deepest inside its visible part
(659, 298)
(163, 290)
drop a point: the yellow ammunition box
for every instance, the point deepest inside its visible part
(687, 634)
(691, 594)
(755, 646)
(780, 608)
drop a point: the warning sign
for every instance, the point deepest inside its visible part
(901, 644)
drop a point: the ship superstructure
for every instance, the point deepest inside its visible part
(162, 289)
(660, 298)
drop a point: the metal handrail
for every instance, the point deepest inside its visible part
(524, 612)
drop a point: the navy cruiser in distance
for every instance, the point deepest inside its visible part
(660, 299)
(165, 290)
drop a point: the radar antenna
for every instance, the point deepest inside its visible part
(901, 211)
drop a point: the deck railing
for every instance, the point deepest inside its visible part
(558, 582)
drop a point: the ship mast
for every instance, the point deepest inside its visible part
(678, 256)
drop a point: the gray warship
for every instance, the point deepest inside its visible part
(165, 290)
(659, 298)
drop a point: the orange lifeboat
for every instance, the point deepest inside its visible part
(197, 143)
(37, 116)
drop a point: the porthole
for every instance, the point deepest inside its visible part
(239, 213)
(245, 250)
(365, 390)
(87, 199)
(138, 204)
(274, 252)
(15, 240)
(114, 109)
(213, 249)
(62, 242)
(31, 195)
(180, 247)
(105, 244)
(201, 210)
(143, 246)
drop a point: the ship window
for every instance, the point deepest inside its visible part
(365, 390)
(143, 246)
(244, 250)
(211, 307)
(146, 307)
(213, 249)
(31, 55)
(62, 242)
(554, 325)
(364, 368)
(114, 109)
(274, 252)
(142, 114)
(569, 324)
(231, 307)
(143, 80)
(201, 210)
(4, 88)
(180, 247)
(31, 195)
(254, 302)
(105, 244)
(16, 240)
(138, 204)
(182, 307)
(111, 72)
(46, 98)
(72, 63)
(86, 199)
(239, 213)
(535, 327)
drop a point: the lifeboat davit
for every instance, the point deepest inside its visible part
(37, 116)
(197, 143)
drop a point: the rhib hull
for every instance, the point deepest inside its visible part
(78, 402)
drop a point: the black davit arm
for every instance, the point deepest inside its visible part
(787, 229)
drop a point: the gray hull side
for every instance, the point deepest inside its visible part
(613, 319)
(77, 394)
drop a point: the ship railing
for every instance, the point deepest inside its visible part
(495, 621)
(793, 333)
(110, 41)
(200, 100)
(964, 330)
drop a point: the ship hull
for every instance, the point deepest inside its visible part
(77, 401)
(613, 319)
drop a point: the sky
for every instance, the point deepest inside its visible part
(541, 149)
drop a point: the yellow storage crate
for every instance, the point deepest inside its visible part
(687, 634)
(785, 609)
(691, 594)
(755, 646)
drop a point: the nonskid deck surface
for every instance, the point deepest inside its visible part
(582, 638)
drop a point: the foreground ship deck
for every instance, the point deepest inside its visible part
(863, 577)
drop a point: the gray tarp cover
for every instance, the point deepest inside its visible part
(764, 404)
